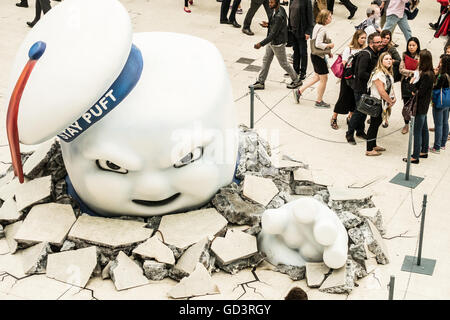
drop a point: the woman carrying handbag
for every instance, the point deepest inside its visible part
(346, 101)
(381, 87)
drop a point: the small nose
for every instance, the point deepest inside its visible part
(152, 186)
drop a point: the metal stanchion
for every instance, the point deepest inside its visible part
(391, 288)
(252, 106)
(419, 264)
(405, 179)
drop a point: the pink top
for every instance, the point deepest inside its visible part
(396, 7)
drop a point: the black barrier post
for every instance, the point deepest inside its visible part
(252, 105)
(422, 225)
(405, 179)
(418, 264)
(391, 288)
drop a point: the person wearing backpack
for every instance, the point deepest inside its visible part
(364, 64)
(440, 114)
(346, 101)
(381, 87)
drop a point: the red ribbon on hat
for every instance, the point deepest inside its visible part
(34, 54)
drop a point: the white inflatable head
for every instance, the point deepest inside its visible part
(147, 124)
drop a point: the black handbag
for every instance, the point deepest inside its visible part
(369, 105)
(410, 108)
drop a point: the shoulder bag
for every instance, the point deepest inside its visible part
(441, 97)
(318, 51)
(410, 108)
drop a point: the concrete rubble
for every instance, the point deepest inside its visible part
(33, 192)
(315, 274)
(34, 258)
(186, 247)
(74, 266)
(48, 222)
(153, 248)
(185, 229)
(199, 283)
(260, 190)
(126, 273)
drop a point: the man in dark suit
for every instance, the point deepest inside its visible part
(254, 6)
(225, 7)
(22, 3)
(300, 25)
(347, 3)
(41, 5)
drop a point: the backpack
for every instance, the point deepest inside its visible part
(350, 68)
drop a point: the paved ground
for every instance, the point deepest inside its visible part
(344, 163)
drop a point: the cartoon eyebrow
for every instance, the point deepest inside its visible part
(118, 156)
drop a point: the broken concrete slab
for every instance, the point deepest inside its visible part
(375, 216)
(34, 259)
(321, 178)
(126, 274)
(9, 190)
(304, 191)
(74, 267)
(241, 264)
(33, 192)
(315, 274)
(185, 229)
(235, 209)
(342, 194)
(8, 212)
(10, 232)
(260, 190)
(281, 163)
(234, 246)
(336, 282)
(348, 219)
(6, 178)
(199, 283)
(35, 163)
(68, 245)
(302, 174)
(378, 246)
(154, 270)
(370, 265)
(49, 222)
(153, 248)
(188, 261)
(108, 232)
(106, 270)
(294, 272)
(361, 183)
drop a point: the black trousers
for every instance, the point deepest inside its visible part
(347, 3)
(254, 6)
(41, 5)
(224, 10)
(300, 57)
(357, 120)
(372, 132)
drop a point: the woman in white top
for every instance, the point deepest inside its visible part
(323, 43)
(346, 101)
(381, 86)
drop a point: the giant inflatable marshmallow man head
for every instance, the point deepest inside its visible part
(145, 120)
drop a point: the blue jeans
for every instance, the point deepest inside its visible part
(421, 136)
(392, 20)
(440, 117)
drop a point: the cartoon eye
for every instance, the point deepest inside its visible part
(110, 166)
(196, 154)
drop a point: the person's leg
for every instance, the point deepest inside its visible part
(349, 5)
(254, 6)
(356, 117)
(372, 132)
(311, 81)
(303, 46)
(425, 136)
(267, 8)
(444, 127)
(437, 118)
(296, 56)
(225, 6)
(418, 126)
(322, 86)
(234, 10)
(45, 5)
(267, 60)
(330, 5)
(280, 53)
(391, 22)
(404, 26)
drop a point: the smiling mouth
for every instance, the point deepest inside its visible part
(157, 203)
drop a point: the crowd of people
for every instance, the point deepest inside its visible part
(368, 67)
